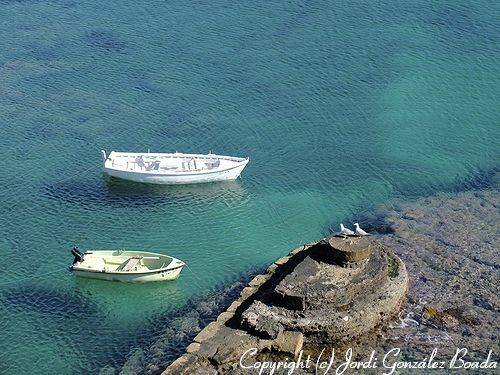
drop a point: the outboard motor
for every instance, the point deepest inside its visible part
(77, 254)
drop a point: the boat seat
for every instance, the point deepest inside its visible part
(140, 162)
(99, 264)
(129, 264)
(154, 165)
(211, 164)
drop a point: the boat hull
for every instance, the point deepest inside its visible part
(126, 265)
(164, 275)
(179, 178)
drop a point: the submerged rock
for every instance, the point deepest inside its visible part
(442, 318)
(449, 244)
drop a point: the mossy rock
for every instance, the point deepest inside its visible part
(392, 267)
(440, 318)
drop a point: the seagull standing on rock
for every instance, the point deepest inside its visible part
(359, 231)
(345, 230)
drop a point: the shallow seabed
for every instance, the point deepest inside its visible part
(339, 105)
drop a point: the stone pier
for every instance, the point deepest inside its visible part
(326, 293)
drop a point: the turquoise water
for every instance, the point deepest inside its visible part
(339, 105)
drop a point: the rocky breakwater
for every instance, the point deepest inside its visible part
(322, 294)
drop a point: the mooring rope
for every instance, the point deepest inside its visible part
(196, 276)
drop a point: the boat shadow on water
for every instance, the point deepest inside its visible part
(145, 343)
(122, 297)
(48, 301)
(119, 193)
(119, 187)
(70, 314)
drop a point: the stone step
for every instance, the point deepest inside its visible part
(311, 283)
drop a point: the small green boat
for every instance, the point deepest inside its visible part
(125, 265)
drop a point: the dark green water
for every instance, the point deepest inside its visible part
(339, 105)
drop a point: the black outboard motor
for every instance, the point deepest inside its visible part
(77, 254)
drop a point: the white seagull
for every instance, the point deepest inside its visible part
(345, 230)
(359, 231)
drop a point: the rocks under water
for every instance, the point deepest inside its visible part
(450, 247)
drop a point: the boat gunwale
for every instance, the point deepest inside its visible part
(159, 270)
(177, 155)
(180, 173)
(169, 267)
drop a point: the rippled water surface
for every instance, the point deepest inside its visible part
(339, 105)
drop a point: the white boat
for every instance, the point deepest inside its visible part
(172, 168)
(124, 265)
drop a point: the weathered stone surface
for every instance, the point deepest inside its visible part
(265, 344)
(193, 366)
(227, 346)
(224, 317)
(289, 292)
(298, 250)
(234, 306)
(282, 261)
(259, 280)
(193, 347)
(202, 370)
(312, 284)
(257, 320)
(289, 342)
(272, 268)
(207, 332)
(330, 322)
(293, 300)
(177, 366)
(349, 249)
(247, 292)
(347, 284)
